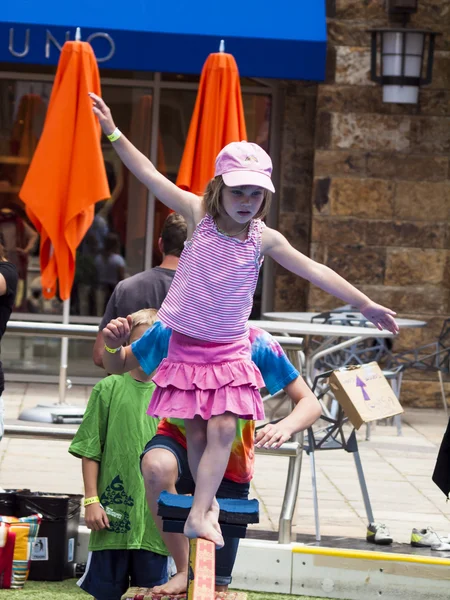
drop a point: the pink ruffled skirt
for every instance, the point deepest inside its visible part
(207, 379)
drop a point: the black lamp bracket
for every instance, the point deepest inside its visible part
(400, 11)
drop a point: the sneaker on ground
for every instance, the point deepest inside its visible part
(378, 533)
(424, 538)
(443, 547)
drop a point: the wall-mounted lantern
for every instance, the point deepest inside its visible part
(402, 58)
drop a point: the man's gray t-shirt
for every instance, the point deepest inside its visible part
(143, 290)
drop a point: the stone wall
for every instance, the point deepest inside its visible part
(296, 176)
(381, 196)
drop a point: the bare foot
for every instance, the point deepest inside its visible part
(176, 585)
(203, 528)
(217, 527)
(213, 515)
(215, 508)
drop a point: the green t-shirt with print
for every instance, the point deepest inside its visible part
(114, 431)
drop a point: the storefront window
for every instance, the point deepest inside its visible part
(22, 112)
(180, 77)
(257, 109)
(114, 246)
(175, 115)
(175, 111)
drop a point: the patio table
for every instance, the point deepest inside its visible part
(329, 332)
(305, 317)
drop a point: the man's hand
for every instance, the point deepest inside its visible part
(96, 517)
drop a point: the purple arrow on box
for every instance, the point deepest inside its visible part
(360, 383)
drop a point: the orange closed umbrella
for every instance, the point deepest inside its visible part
(218, 119)
(67, 174)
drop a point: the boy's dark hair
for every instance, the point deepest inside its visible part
(174, 234)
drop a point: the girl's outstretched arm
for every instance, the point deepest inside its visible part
(187, 204)
(274, 244)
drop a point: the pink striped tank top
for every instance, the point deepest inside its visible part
(211, 295)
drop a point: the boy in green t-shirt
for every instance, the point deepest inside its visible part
(125, 546)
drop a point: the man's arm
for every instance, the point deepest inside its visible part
(31, 237)
(3, 285)
(8, 278)
(306, 412)
(95, 516)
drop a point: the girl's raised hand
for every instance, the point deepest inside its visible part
(117, 332)
(103, 113)
(380, 316)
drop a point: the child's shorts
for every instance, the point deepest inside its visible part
(109, 573)
(226, 556)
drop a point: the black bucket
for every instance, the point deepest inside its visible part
(53, 554)
(8, 503)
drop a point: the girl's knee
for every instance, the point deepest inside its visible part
(222, 428)
(159, 467)
(196, 431)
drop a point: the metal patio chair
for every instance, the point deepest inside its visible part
(292, 449)
(433, 357)
(333, 437)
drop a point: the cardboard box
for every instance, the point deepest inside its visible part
(364, 394)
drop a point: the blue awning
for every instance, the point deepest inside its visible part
(283, 39)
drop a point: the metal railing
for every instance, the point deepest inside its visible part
(293, 450)
(25, 431)
(72, 331)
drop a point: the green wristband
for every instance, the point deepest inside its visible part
(115, 135)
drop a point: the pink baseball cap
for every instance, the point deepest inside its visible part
(244, 163)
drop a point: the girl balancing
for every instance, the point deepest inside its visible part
(208, 378)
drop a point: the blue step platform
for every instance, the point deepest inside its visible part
(234, 515)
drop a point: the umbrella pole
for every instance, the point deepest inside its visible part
(64, 355)
(60, 412)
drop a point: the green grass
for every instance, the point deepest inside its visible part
(264, 596)
(47, 590)
(68, 590)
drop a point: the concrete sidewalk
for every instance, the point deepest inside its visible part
(397, 469)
